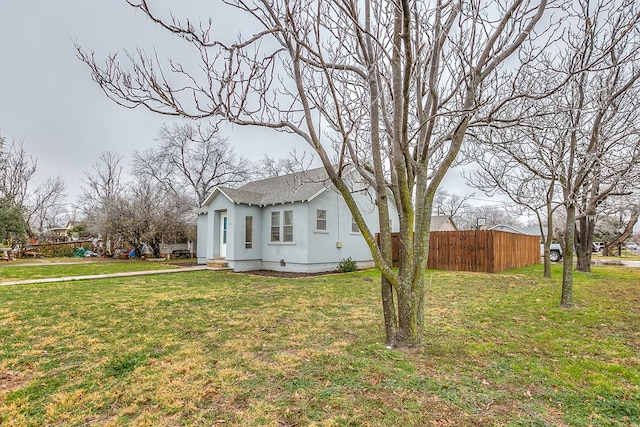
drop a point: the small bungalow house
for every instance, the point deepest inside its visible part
(295, 222)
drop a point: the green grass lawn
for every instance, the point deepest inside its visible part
(215, 348)
(17, 270)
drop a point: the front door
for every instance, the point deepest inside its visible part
(223, 234)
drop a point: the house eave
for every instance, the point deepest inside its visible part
(214, 194)
(315, 195)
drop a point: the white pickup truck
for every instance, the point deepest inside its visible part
(555, 252)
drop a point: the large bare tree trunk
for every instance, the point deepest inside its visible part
(566, 298)
(548, 240)
(584, 244)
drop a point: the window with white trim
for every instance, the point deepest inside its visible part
(287, 227)
(354, 226)
(321, 220)
(275, 226)
(282, 226)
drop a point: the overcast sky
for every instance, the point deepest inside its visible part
(48, 100)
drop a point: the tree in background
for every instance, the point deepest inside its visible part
(616, 220)
(390, 87)
(147, 214)
(101, 192)
(599, 111)
(142, 211)
(451, 205)
(269, 167)
(16, 171)
(491, 215)
(12, 224)
(522, 162)
(39, 208)
(580, 143)
(192, 158)
(46, 206)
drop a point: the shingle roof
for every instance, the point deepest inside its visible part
(533, 231)
(296, 187)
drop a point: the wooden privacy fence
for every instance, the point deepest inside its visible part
(488, 251)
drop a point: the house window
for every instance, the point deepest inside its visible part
(354, 226)
(287, 228)
(321, 219)
(248, 232)
(275, 226)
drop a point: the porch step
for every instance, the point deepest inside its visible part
(218, 262)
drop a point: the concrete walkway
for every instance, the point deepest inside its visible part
(109, 275)
(615, 262)
(627, 263)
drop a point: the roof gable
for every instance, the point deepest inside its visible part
(297, 187)
(440, 222)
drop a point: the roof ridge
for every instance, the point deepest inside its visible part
(282, 177)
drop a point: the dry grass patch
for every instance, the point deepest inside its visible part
(205, 348)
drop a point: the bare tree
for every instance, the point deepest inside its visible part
(391, 87)
(449, 204)
(582, 140)
(101, 191)
(147, 214)
(600, 114)
(467, 217)
(616, 220)
(269, 167)
(522, 162)
(191, 157)
(46, 205)
(16, 172)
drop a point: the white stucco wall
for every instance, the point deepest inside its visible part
(283, 256)
(339, 242)
(202, 233)
(239, 257)
(209, 228)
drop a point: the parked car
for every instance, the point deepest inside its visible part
(599, 245)
(632, 246)
(555, 251)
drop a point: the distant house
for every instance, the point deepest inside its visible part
(71, 224)
(442, 223)
(57, 233)
(296, 222)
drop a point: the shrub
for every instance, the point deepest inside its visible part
(347, 265)
(65, 251)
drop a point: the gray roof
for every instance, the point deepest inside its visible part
(296, 187)
(532, 231)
